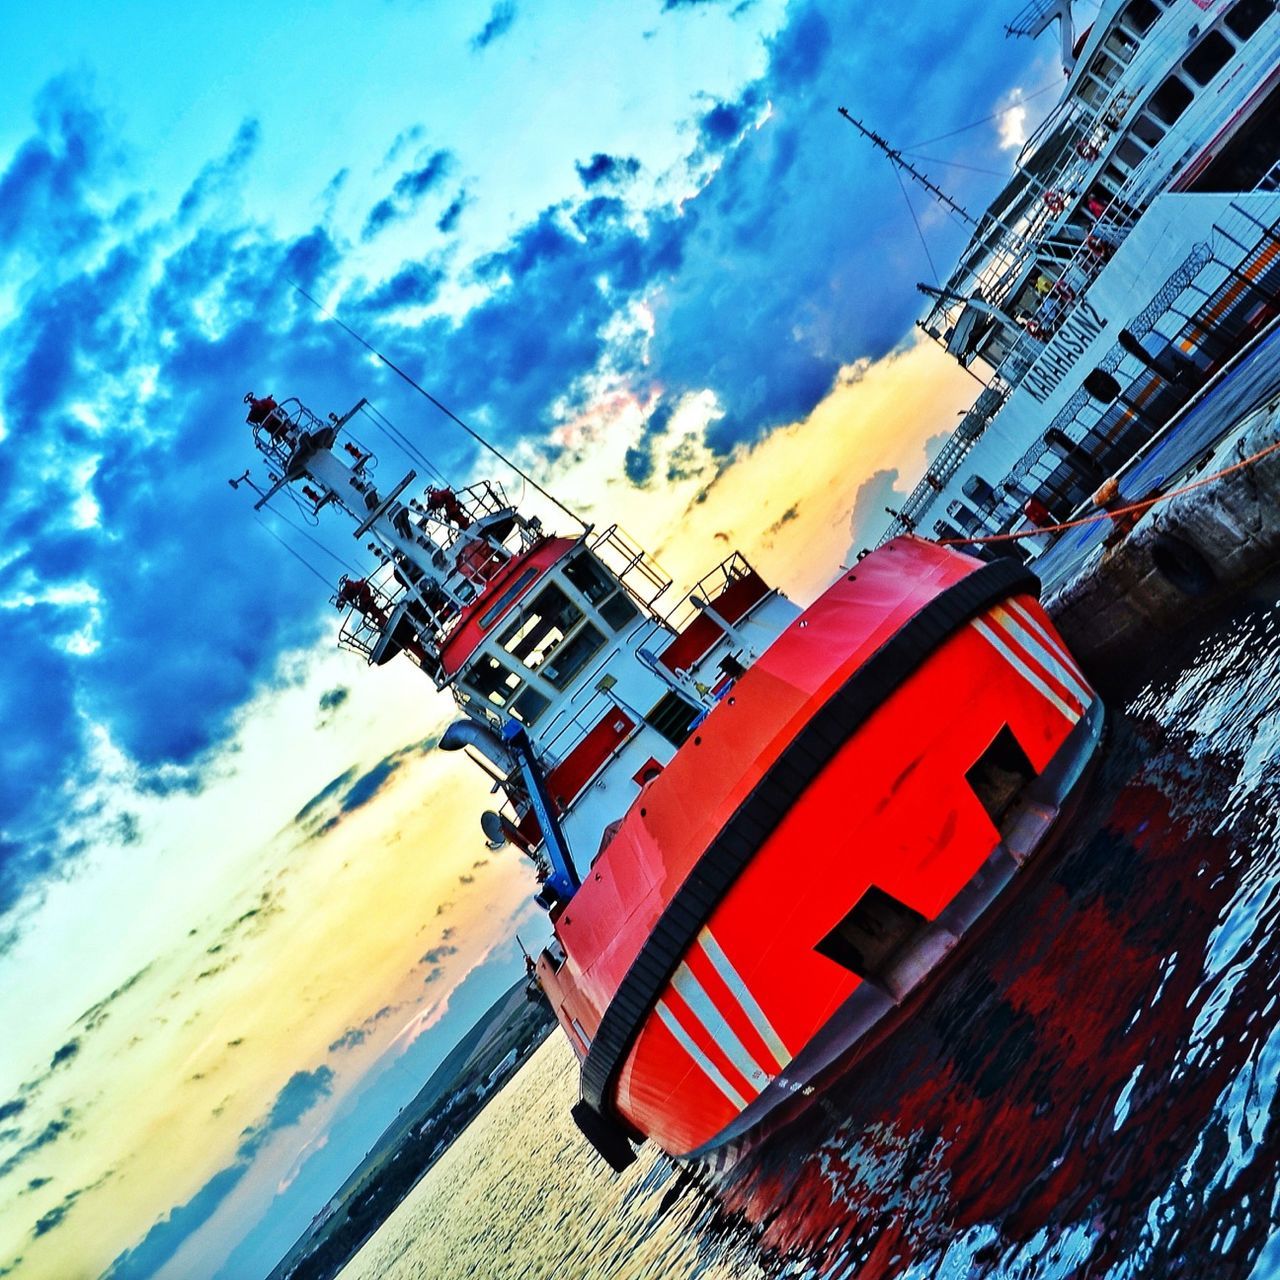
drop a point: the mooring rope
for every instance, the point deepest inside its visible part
(1144, 505)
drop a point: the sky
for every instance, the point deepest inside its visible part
(244, 906)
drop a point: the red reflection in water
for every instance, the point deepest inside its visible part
(1008, 1098)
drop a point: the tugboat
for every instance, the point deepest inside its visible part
(757, 830)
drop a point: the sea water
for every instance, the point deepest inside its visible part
(1089, 1091)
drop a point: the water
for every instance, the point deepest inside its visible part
(1090, 1092)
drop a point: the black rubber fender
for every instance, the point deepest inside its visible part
(607, 1137)
(1183, 565)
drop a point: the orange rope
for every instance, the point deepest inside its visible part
(1144, 505)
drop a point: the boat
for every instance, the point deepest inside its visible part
(757, 830)
(1119, 297)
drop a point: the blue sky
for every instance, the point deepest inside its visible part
(630, 242)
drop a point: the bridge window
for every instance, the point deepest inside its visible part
(492, 681)
(529, 705)
(540, 627)
(1140, 16)
(602, 589)
(572, 656)
(590, 577)
(1170, 100)
(1208, 57)
(1247, 16)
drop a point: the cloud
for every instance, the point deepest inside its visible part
(1013, 121)
(224, 174)
(168, 1235)
(326, 793)
(414, 285)
(64, 1054)
(739, 6)
(435, 954)
(401, 143)
(868, 517)
(606, 169)
(331, 699)
(349, 1039)
(365, 787)
(410, 188)
(448, 221)
(791, 513)
(96, 1014)
(302, 1091)
(501, 18)
(51, 1132)
(55, 1216)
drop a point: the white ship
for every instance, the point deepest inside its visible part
(1118, 296)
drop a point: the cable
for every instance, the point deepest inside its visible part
(381, 420)
(995, 115)
(903, 188)
(955, 164)
(295, 554)
(310, 537)
(448, 413)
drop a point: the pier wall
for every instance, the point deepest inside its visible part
(1184, 559)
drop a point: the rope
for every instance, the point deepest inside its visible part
(1144, 505)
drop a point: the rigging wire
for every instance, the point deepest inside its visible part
(308, 517)
(310, 537)
(448, 413)
(954, 164)
(902, 186)
(995, 115)
(297, 555)
(381, 420)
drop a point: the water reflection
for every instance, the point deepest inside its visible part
(1090, 1091)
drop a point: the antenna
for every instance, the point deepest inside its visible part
(896, 157)
(448, 413)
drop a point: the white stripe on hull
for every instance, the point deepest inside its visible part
(1031, 645)
(687, 1043)
(713, 1022)
(988, 633)
(733, 980)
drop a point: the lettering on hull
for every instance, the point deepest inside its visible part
(1068, 344)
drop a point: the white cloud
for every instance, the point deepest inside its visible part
(1013, 121)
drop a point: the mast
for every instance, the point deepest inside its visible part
(896, 158)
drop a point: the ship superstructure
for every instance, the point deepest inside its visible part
(1131, 257)
(757, 830)
(552, 647)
